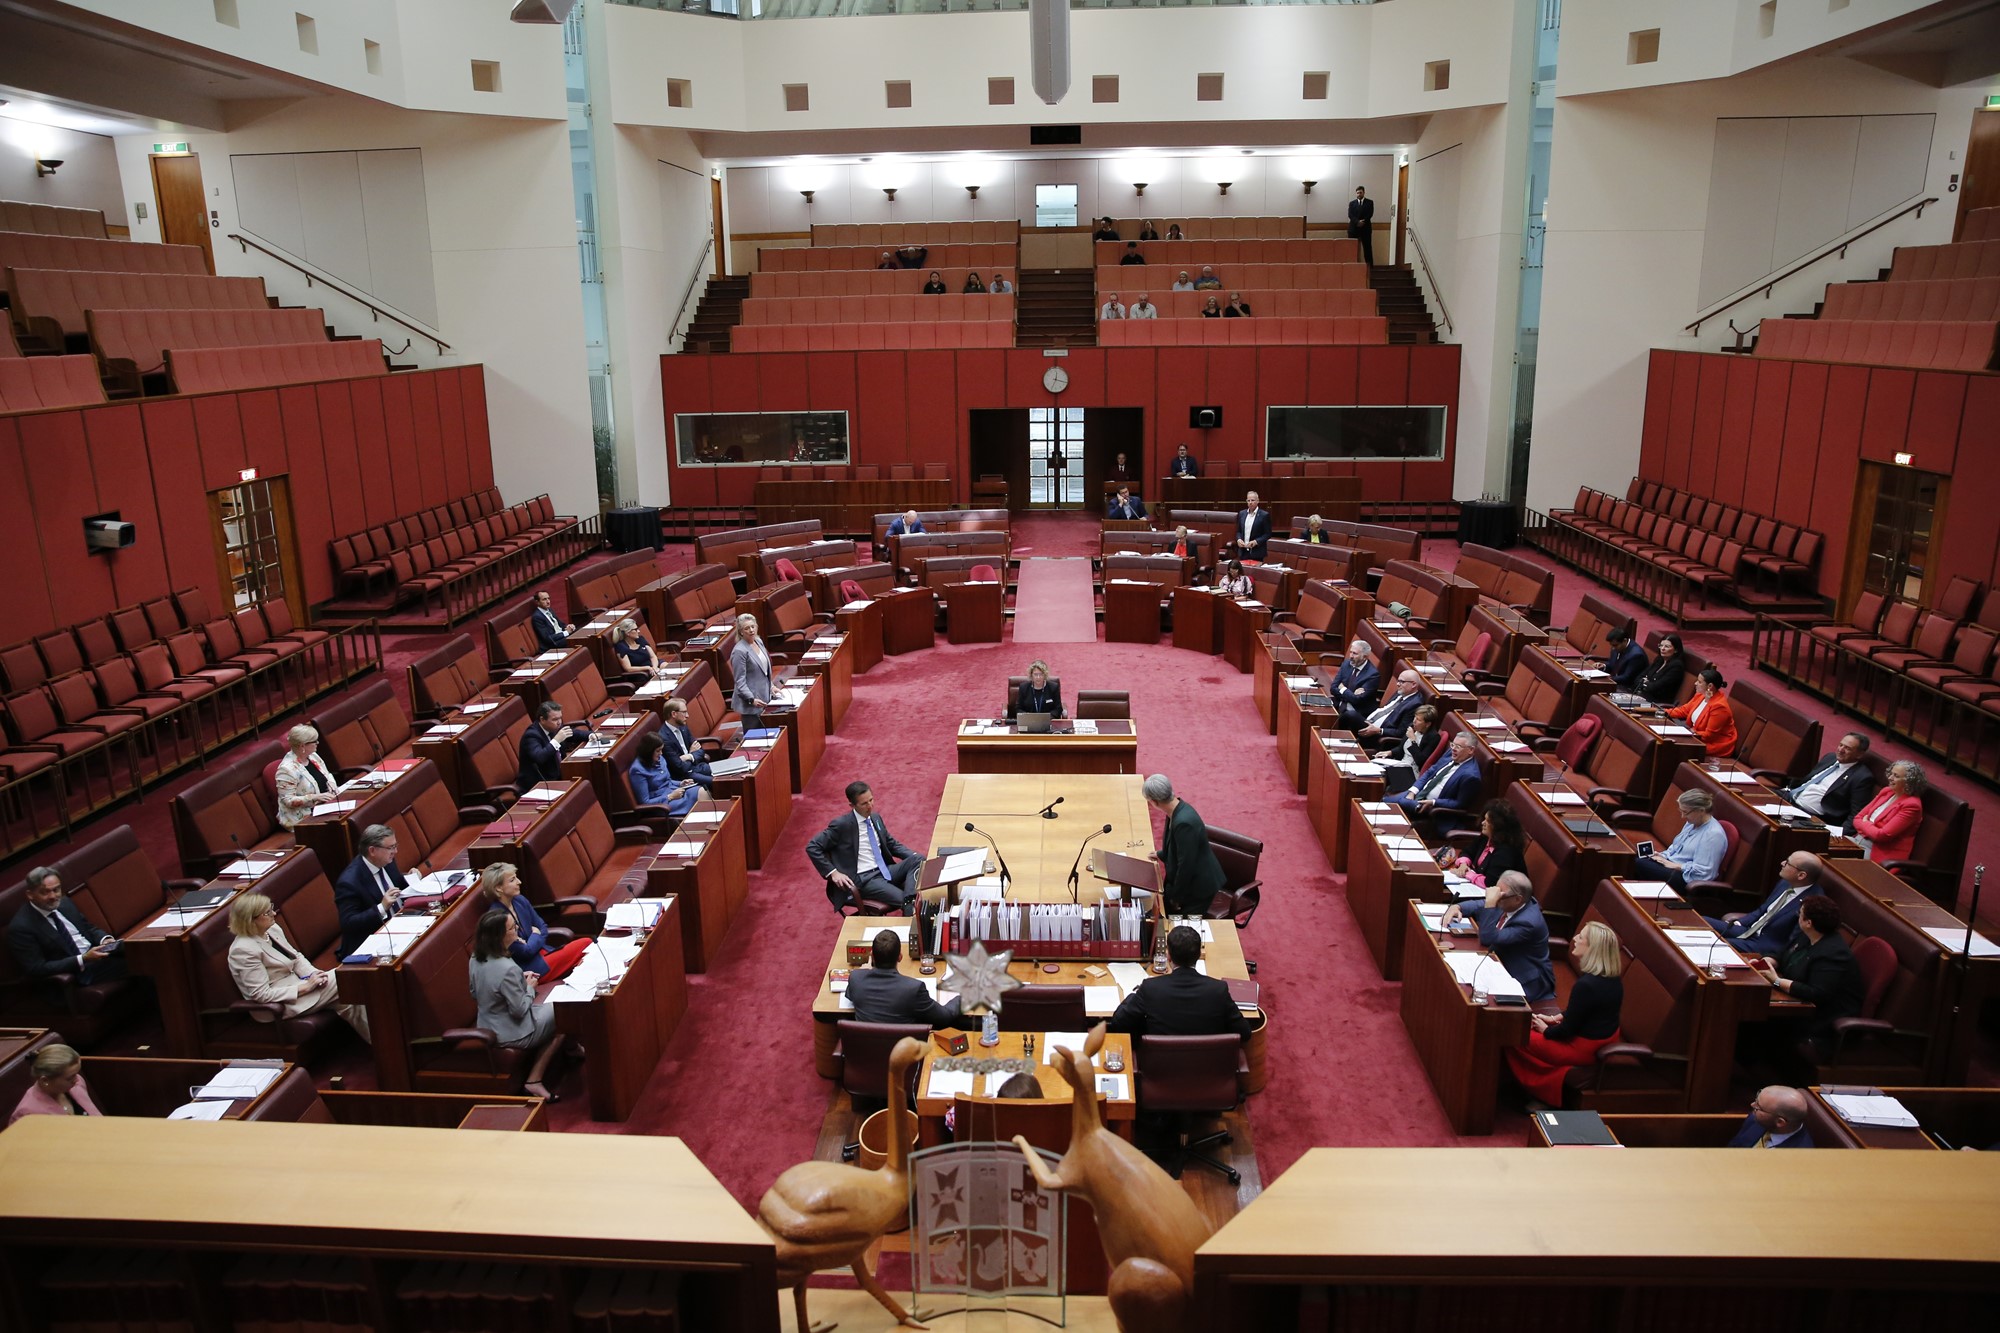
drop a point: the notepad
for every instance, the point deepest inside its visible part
(328, 808)
(637, 913)
(1484, 972)
(953, 1084)
(704, 817)
(446, 729)
(1884, 1112)
(1561, 797)
(1100, 1001)
(1647, 890)
(1128, 975)
(1953, 939)
(1071, 1041)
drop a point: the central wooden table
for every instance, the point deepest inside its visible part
(1040, 851)
(1112, 748)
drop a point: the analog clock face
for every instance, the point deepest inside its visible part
(1055, 379)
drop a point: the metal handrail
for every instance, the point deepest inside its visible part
(1424, 259)
(311, 277)
(700, 271)
(1837, 248)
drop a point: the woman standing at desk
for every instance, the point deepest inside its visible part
(1708, 714)
(1587, 1026)
(1502, 847)
(58, 1088)
(544, 952)
(750, 670)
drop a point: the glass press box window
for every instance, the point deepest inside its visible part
(1354, 433)
(731, 439)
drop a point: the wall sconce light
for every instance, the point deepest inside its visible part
(809, 197)
(890, 190)
(1139, 187)
(1309, 185)
(47, 166)
(1224, 185)
(972, 190)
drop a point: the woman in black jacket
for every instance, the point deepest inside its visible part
(1503, 847)
(1660, 683)
(1587, 1024)
(1818, 968)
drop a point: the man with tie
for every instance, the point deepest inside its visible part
(1184, 464)
(860, 858)
(1361, 223)
(1777, 1119)
(1125, 506)
(550, 633)
(51, 936)
(1253, 528)
(1511, 926)
(1384, 728)
(1448, 790)
(1356, 686)
(1626, 660)
(1840, 786)
(1769, 927)
(542, 746)
(370, 890)
(685, 758)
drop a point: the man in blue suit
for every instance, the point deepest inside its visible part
(370, 890)
(907, 524)
(1253, 528)
(1626, 661)
(1511, 925)
(1840, 785)
(1385, 727)
(550, 632)
(1448, 791)
(1356, 686)
(685, 759)
(1769, 927)
(542, 745)
(1777, 1119)
(1126, 506)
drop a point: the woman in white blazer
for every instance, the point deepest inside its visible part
(303, 778)
(268, 970)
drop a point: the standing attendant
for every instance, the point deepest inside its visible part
(1193, 875)
(1122, 469)
(750, 672)
(1361, 223)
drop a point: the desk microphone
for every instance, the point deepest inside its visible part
(1049, 811)
(1074, 886)
(1006, 876)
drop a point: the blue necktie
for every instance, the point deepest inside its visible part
(881, 866)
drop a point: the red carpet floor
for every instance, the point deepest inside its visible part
(1053, 603)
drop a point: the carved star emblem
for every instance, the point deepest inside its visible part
(980, 978)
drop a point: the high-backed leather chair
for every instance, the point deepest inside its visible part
(1648, 1068)
(431, 827)
(448, 677)
(233, 809)
(362, 728)
(488, 756)
(448, 1053)
(862, 1053)
(1238, 854)
(1103, 703)
(572, 861)
(1044, 1009)
(1936, 863)
(1190, 1077)
(1014, 684)
(232, 1027)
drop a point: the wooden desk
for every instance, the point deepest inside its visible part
(709, 887)
(974, 612)
(1347, 1234)
(804, 723)
(1039, 851)
(1726, 777)
(1286, 498)
(595, 636)
(1458, 1041)
(1241, 620)
(1387, 865)
(1958, 1117)
(1504, 758)
(1119, 1112)
(766, 793)
(376, 986)
(1295, 721)
(626, 1032)
(1196, 619)
(174, 1188)
(604, 767)
(524, 682)
(1330, 755)
(1441, 690)
(831, 658)
(1273, 658)
(862, 623)
(1114, 748)
(1596, 857)
(1132, 611)
(501, 839)
(332, 835)
(909, 620)
(1392, 642)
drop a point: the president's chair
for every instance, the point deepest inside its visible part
(1189, 1077)
(1043, 1009)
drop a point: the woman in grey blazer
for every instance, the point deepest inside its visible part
(506, 1002)
(750, 667)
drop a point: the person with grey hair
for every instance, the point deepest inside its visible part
(1193, 875)
(1383, 727)
(1356, 685)
(1511, 926)
(1315, 531)
(750, 670)
(51, 938)
(1697, 851)
(303, 779)
(1888, 827)
(1841, 784)
(370, 890)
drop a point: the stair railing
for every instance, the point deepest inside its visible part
(685, 315)
(1430, 274)
(313, 277)
(1837, 250)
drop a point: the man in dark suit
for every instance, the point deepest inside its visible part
(881, 994)
(1447, 792)
(907, 524)
(1253, 528)
(685, 759)
(1511, 926)
(1769, 927)
(1777, 1119)
(860, 858)
(1841, 784)
(1361, 223)
(1384, 727)
(1357, 685)
(370, 890)
(1184, 464)
(542, 746)
(1193, 875)
(51, 936)
(1125, 505)
(1183, 1003)
(550, 632)
(1626, 661)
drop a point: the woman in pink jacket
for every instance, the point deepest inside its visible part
(1888, 826)
(58, 1088)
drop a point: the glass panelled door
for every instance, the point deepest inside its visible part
(1902, 533)
(1055, 457)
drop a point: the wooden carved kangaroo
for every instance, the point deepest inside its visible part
(1149, 1226)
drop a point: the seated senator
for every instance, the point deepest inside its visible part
(1511, 926)
(1183, 1003)
(1840, 786)
(1697, 851)
(1446, 792)
(501, 883)
(1125, 506)
(685, 756)
(1503, 847)
(1587, 1024)
(1037, 694)
(1708, 714)
(1357, 685)
(859, 858)
(1384, 725)
(1660, 683)
(58, 1088)
(542, 745)
(1818, 968)
(882, 994)
(503, 994)
(906, 525)
(1769, 927)
(303, 780)
(1777, 1119)
(1401, 765)
(1626, 661)
(268, 970)
(653, 782)
(1888, 827)
(634, 653)
(1232, 581)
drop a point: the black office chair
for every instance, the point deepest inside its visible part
(1043, 1009)
(1187, 1078)
(1014, 684)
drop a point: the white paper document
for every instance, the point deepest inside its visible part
(943, 1084)
(543, 794)
(699, 817)
(1886, 1112)
(1483, 972)
(238, 1081)
(1561, 798)
(1128, 975)
(1067, 1040)
(329, 808)
(1646, 890)
(200, 1111)
(1100, 1001)
(636, 913)
(963, 865)
(1953, 938)
(1486, 723)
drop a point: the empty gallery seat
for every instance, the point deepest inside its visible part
(915, 233)
(132, 343)
(1938, 299)
(31, 250)
(1239, 332)
(1966, 259)
(869, 281)
(1159, 278)
(49, 303)
(901, 308)
(1981, 224)
(1253, 250)
(51, 219)
(866, 337)
(1960, 345)
(31, 382)
(820, 258)
(208, 369)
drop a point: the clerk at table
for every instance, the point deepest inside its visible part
(1511, 925)
(1183, 1003)
(1038, 694)
(881, 994)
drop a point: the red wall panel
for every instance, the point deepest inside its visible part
(1086, 366)
(452, 437)
(1969, 546)
(1935, 408)
(684, 383)
(406, 475)
(1653, 424)
(31, 605)
(478, 440)
(57, 460)
(1833, 479)
(218, 428)
(1182, 384)
(933, 399)
(1766, 446)
(882, 416)
(782, 384)
(1805, 410)
(1711, 399)
(369, 446)
(351, 512)
(182, 500)
(312, 497)
(1232, 386)
(1738, 408)
(1684, 388)
(117, 438)
(1885, 421)
(430, 441)
(263, 431)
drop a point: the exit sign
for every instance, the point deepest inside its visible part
(165, 149)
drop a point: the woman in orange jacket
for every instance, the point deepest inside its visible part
(1708, 714)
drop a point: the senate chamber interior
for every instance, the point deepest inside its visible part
(1432, 564)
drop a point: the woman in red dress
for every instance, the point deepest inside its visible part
(1586, 1026)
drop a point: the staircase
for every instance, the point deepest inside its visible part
(1398, 297)
(1056, 308)
(720, 310)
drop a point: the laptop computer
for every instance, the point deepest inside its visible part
(1033, 724)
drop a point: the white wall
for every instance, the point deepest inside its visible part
(503, 253)
(1627, 212)
(89, 175)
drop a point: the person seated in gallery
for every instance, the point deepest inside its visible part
(934, 285)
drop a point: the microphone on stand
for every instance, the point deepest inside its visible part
(1049, 811)
(1075, 887)
(1006, 876)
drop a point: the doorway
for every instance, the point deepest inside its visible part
(1979, 183)
(1898, 516)
(721, 236)
(181, 203)
(1402, 208)
(256, 552)
(1057, 458)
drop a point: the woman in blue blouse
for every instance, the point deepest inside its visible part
(653, 782)
(501, 883)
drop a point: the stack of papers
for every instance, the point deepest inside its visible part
(636, 914)
(248, 868)
(1486, 723)
(200, 1111)
(956, 1084)
(1648, 890)
(607, 960)
(543, 793)
(1561, 798)
(1953, 939)
(1704, 948)
(689, 848)
(238, 1082)
(1433, 915)
(552, 655)
(329, 808)
(1101, 1001)
(179, 918)
(1072, 1041)
(1128, 975)
(476, 709)
(1084, 727)
(700, 817)
(1783, 811)
(1886, 1112)
(1733, 777)
(395, 935)
(446, 729)
(1364, 770)
(1484, 972)
(1672, 729)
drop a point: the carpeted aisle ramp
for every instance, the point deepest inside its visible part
(1054, 602)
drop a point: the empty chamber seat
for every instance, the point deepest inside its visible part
(208, 369)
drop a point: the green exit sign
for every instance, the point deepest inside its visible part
(166, 148)
(1994, 100)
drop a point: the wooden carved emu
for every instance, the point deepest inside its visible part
(1149, 1226)
(826, 1214)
